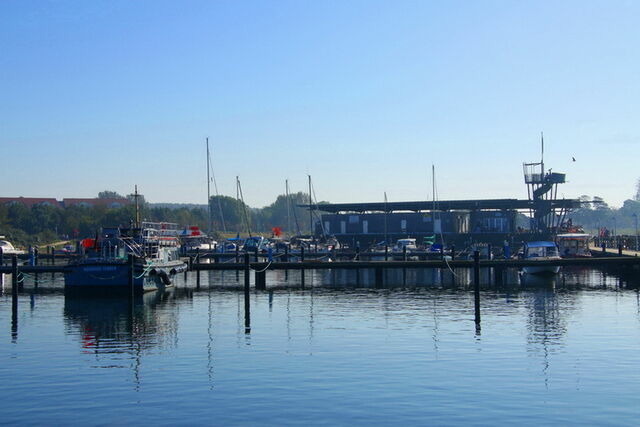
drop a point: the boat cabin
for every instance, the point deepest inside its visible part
(573, 244)
(541, 250)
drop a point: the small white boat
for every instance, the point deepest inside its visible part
(541, 251)
(402, 245)
(574, 245)
(8, 248)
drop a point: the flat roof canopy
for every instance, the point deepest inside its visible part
(445, 205)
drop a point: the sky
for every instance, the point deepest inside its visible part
(364, 96)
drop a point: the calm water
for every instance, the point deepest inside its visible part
(549, 351)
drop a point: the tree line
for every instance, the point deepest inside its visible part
(45, 224)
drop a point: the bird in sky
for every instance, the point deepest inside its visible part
(574, 159)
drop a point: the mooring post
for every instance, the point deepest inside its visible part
(357, 253)
(237, 254)
(386, 252)
(476, 284)
(261, 280)
(379, 279)
(35, 263)
(131, 274)
(247, 307)
(404, 253)
(197, 264)
(442, 252)
(302, 269)
(453, 252)
(14, 278)
(604, 246)
(1, 264)
(620, 249)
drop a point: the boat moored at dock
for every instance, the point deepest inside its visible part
(541, 251)
(573, 245)
(136, 259)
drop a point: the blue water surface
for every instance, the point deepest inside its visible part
(560, 350)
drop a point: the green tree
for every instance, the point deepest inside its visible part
(108, 194)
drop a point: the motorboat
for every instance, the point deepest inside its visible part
(541, 251)
(404, 247)
(8, 248)
(192, 239)
(574, 245)
(149, 250)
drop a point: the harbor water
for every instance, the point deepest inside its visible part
(552, 350)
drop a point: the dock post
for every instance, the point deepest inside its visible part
(386, 252)
(35, 263)
(237, 254)
(261, 280)
(131, 275)
(14, 277)
(604, 246)
(453, 252)
(247, 302)
(357, 253)
(255, 254)
(379, 277)
(620, 249)
(476, 285)
(302, 270)
(197, 263)
(404, 253)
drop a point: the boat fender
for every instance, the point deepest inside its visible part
(164, 277)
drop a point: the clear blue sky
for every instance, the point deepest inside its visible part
(362, 95)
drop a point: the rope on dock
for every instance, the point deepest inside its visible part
(264, 269)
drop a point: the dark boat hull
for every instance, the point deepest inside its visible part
(110, 277)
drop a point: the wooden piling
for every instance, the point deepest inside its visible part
(197, 269)
(302, 271)
(131, 274)
(247, 302)
(476, 285)
(261, 280)
(379, 277)
(14, 278)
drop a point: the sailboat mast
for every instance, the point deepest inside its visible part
(286, 190)
(310, 209)
(542, 155)
(433, 185)
(135, 196)
(386, 212)
(209, 190)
